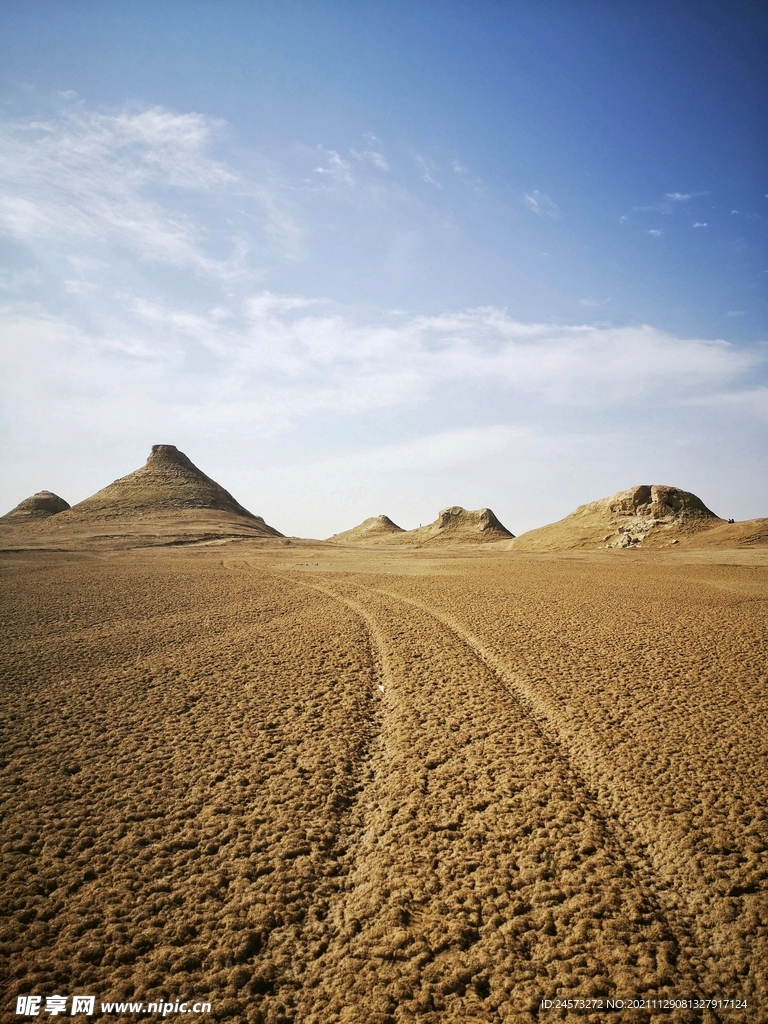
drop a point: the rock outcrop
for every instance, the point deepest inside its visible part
(40, 506)
(649, 514)
(454, 525)
(458, 525)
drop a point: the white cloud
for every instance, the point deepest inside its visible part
(700, 224)
(428, 171)
(671, 203)
(239, 386)
(336, 167)
(373, 156)
(79, 287)
(464, 175)
(267, 305)
(749, 402)
(277, 360)
(108, 180)
(139, 312)
(655, 232)
(541, 204)
(431, 453)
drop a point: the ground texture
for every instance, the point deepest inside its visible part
(322, 785)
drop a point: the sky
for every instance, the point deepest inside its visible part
(357, 258)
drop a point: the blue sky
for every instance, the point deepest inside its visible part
(383, 257)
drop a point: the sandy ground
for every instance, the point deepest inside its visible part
(315, 785)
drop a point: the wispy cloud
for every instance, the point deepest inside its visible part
(751, 402)
(428, 171)
(700, 224)
(18, 281)
(132, 190)
(669, 205)
(336, 167)
(683, 197)
(373, 156)
(541, 204)
(145, 306)
(656, 232)
(277, 359)
(430, 453)
(95, 177)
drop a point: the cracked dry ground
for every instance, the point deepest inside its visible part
(384, 787)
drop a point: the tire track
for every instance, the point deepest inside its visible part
(475, 856)
(178, 793)
(639, 844)
(375, 632)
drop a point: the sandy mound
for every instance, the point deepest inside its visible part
(648, 515)
(454, 525)
(168, 501)
(457, 525)
(376, 530)
(747, 533)
(40, 506)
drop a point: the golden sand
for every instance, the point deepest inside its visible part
(318, 783)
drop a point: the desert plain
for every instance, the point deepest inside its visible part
(370, 781)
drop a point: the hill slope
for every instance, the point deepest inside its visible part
(747, 533)
(648, 515)
(168, 482)
(457, 525)
(376, 530)
(454, 525)
(168, 501)
(40, 506)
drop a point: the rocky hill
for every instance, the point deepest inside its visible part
(376, 530)
(168, 482)
(649, 515)
(40, 506)
(457, 525)
(454, 525)
(167, 501)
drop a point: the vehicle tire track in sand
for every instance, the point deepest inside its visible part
(379, 641)
(181, 758)
(485, 877)
(640, 843)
